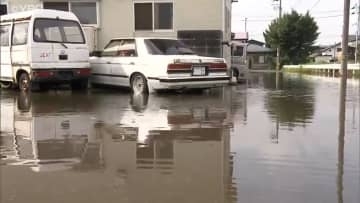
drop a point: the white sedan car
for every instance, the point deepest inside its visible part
(146, 64)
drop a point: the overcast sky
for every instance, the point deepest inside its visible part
(327, 13)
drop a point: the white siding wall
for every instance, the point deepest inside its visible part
(198, 14)
(117, 17)
(23, 5)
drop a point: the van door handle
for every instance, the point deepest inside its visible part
(132, 63)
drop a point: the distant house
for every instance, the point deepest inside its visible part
(256, 42)
(333, 52)
(257, 55)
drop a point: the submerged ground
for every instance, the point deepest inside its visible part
(271, 140)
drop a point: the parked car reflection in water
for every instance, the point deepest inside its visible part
(145, 64)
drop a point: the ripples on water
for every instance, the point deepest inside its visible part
(266, 142)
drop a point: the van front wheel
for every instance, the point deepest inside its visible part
(6, 85)
(79, 84)
(24, 82)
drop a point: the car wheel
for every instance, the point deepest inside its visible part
(24, 102)
(79, 84)
(139, 102)
(139, 84)
(6, 85)
(24, 82)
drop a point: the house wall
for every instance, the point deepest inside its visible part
(186, 17)
(116, 18)
(254, 61)
(23, 5)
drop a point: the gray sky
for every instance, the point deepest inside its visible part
(327, 13)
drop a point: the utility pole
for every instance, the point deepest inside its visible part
(345, 39)
(246, 24)
(278, 48)
(357, 31)
(342, 103)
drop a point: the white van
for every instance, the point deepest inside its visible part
(40, 47)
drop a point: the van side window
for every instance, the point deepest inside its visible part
(20, 34)
(4, 35)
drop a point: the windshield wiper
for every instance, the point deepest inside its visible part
(53, 41)
(63, 45)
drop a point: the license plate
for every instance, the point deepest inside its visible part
(65, 74)
(199, 71)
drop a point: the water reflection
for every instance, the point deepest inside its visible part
(44, 134)
(182, 156)
(293, 101)
(170, 165)
(341, 142)
(108, 146)
(310, 160)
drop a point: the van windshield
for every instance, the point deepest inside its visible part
(58, 31)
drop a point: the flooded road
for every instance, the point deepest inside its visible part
(272, 140)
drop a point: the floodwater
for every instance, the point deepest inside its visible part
(274, 140)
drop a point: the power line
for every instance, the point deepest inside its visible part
(273, 16)
(270, 19)
(316, 3)
(333, 16)
(329, 11)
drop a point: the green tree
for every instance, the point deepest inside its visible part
(295, 33)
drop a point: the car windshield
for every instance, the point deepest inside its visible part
(167, 47)
(58, 31)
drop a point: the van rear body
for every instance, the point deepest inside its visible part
(43, 46)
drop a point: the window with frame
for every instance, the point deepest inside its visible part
(85, 11)
(238, 51)
(159, 149)
(124, 48)
(153, 16)
(261, 59)
(4, 35)
(204, 43)
(60, 6)
(61, 31)
(20, 33)
(3, 9)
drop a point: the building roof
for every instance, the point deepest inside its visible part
(38, 13)
(253, 41)
(254, 48)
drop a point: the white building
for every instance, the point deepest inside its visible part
(202, 24)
